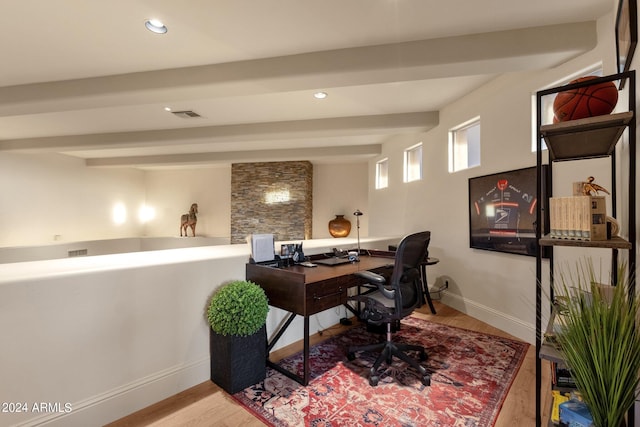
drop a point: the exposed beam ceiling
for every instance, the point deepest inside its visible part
(388, 67)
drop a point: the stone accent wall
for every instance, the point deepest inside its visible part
(274, 197)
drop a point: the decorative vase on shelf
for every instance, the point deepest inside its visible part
(339, 226)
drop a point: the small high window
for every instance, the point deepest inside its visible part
(413, 163)
(464, 146)
(382, 174)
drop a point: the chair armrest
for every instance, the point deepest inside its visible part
(371, 277)
(377, 280)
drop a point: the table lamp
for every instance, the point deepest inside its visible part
(358, 214)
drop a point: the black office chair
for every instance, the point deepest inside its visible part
(393, 300)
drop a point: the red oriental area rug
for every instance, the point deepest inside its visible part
(471, 374)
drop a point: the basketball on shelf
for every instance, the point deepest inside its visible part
(595, 100)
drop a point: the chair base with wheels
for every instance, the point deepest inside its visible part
(389, 349)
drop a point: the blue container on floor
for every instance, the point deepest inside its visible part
(574, 413)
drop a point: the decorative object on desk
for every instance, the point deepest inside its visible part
(594, 100)
(599, 340)
(590, 188)
(287, 250)
(189, 220)
(339, 226)
(358, 214)
(298, 253)
(626, 34)
(237, 315)
(460, 393)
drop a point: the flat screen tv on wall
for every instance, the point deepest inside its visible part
(502, 211)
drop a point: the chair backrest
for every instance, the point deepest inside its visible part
(405, 279)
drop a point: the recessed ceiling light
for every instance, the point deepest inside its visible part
(167, 108)
(320, 95)
(155, 26)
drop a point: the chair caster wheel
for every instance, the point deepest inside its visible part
(426, 381)
(351, 356)
(373, 381)
(423, 356)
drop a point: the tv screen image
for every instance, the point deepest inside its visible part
(502, 211)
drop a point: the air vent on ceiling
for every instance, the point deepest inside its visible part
(77, 252)
(187, 114)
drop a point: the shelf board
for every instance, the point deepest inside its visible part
(613, 243)
(585, 138)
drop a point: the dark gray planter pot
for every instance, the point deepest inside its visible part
(238, 362)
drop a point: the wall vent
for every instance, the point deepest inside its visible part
(78, 252)
(186, 114)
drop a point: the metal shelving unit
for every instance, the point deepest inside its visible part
(577, 140)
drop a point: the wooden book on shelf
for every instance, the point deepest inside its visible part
(578, 218)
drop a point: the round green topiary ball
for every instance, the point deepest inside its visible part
(238, 308)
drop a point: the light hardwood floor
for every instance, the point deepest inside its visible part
(207, 405)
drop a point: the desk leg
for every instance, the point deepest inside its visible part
(306, 351)
(304, 380)
(280, 332)
(425, 288)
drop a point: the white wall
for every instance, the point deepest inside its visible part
(44, 195)
(11, 254)
(107, 334)
(340, 189)
(171, 193)
(337, 189)
(495, 287)
(47, 195)
(112, 334)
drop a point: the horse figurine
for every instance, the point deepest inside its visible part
(189, 220)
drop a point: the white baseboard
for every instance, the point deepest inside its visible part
(122, 401)
(512, 325)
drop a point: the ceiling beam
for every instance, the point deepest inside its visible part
(340, 126)
(195, 159)
(486, 53)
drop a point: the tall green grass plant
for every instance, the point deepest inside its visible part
(599, 340)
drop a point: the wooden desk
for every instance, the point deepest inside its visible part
(305, 291)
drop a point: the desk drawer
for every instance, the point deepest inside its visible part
(326, 294)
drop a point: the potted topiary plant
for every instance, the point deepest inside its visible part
(237, 315)
(599, 340)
